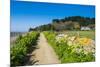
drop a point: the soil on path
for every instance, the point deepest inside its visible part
(44, 54)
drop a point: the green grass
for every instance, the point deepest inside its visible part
(88, 34)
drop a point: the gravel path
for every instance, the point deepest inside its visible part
(44, 54)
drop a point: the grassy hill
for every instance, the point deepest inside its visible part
(67, 23)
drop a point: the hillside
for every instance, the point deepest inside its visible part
(68, 23)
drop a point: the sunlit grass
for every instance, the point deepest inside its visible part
(87, 34)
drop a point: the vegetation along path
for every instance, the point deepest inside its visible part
(45, 53)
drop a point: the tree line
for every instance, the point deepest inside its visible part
(67, 23)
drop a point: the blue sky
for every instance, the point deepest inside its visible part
(31, 14)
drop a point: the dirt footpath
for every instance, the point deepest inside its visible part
(44, 54)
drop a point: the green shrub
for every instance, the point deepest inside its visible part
(21, 48)
(66, 53)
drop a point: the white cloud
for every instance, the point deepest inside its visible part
(88, 2)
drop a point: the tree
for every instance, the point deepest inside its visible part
(55, 21)
(67, 23)
(30, 29)
(76, 26)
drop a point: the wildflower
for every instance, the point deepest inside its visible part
(61, 38)
(78, 50)
(65, 35)
(84, 41)
(69, 43)
(73, 38)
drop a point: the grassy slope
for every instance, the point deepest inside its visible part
(88, 34)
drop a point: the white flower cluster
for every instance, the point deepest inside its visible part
(86, 45)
